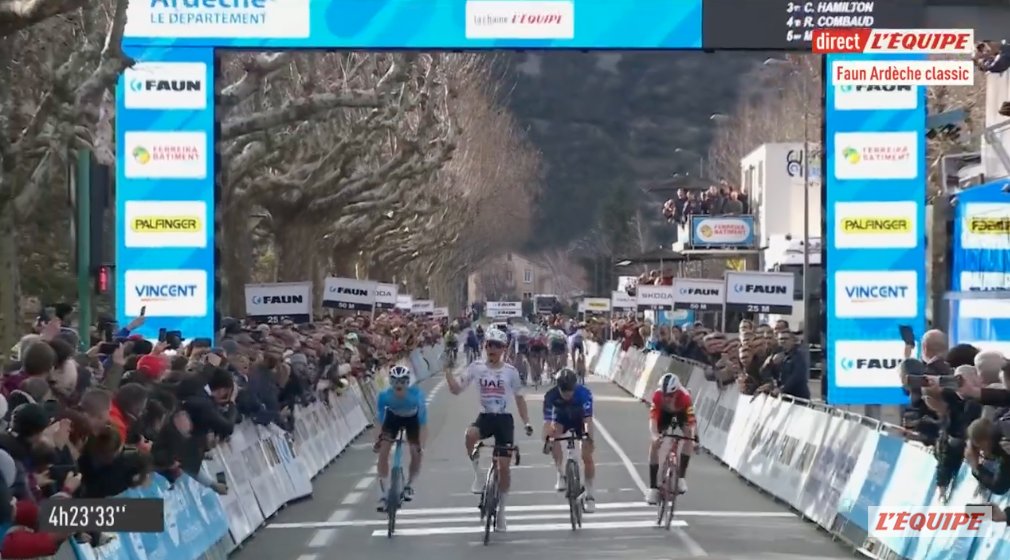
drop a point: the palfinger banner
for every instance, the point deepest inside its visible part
(276, 303)
(594, 305)
(760, 292)
(621, 300)
(504, 309)
(349, 294)
(698, 294)
(386, 296)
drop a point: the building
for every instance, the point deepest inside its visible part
(509, 278)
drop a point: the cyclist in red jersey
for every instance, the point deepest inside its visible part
(670, 403)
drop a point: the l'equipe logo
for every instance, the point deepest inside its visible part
(868, 363)
(221, 19)
(165, 85)
(876, 155)
(166, 293)
(903, 522)
(165, 155)
(520, 19)
(876, 225)
(985, 225)
(165, 224)
(873, 98)
(876, 294)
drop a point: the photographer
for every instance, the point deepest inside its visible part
(953, 416)
(920, 421)
(988, 455)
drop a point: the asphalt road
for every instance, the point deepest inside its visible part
(720, 517)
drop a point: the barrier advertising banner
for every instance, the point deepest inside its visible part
(760, 292)
(422, 307)
(275, 303)
(654, 298)
(404, 302)
(594, 305)
(440, 312)
(874, 208)
(699, 294)
(386, 296)
(621, 300)
(349, 294)
(722, 231)
(504, 309)
(398, 24)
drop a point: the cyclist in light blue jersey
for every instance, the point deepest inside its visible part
(400, 406)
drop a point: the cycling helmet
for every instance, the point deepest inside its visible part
(567, 380)
(495, 335)
(669, 383)
(399, 373)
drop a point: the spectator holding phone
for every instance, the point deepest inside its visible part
(988, 455)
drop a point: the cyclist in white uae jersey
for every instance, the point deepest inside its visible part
(498, 382)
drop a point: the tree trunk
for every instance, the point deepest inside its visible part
(10, 279)
(937, 270)
(342, 262)
(236, 260)
(294, 242)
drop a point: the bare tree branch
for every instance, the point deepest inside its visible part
(16, 15)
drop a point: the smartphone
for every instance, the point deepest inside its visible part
(221, 478)
(107, 332)
(915, 382)
(951, 381)
(907, 334)
(143, 311)
(107, 348)
(161, 334)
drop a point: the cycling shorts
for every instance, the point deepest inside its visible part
(577, 345)
(392, 425)
(524, 348)
(571, 424)
(558, 346)
(499, 426)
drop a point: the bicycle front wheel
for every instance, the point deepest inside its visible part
(574, 490)
(393, 500)
(490, 505)
(672, 483)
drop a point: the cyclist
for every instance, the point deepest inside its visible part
(558, 344)
(576, 343)
(400, 406)
(568, 408)
(472, 346)
(451, 342)
(480, 337)
(670, 403)
(522, 340)
(538, 351)
(496, 382)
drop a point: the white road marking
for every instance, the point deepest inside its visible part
(434, 391)
(690, 544)
(551, 492)
(339, 515)
(601, 398)
(353, 498)
(373, 470)
(364, 483)
(308, 556)
(322, 538)
(534, 528)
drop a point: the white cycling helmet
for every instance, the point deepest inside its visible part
(399, 373)
(669, 383)
(495, 335)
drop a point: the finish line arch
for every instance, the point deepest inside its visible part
(166, 129)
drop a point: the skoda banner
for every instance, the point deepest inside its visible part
(621, 300)
(698, 294)
(404, 302)
(594, 305)
(722, 231)
(422, 307)
(349, 294)
(386, 296)
(760, 292)
(504, 309)
(275, 303)
(654, 298)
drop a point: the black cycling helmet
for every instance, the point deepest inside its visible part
(567, 380)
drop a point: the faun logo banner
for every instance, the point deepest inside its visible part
(698, 294)
(274, 303)
(504, 309)
(722, 231)
(166, 85)
(760, 292)
(621, 300)
(422, 307)
(594, 305)
(386, 296)
(349, 294)
(656, 298)
(868, 363)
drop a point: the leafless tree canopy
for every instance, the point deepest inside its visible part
(399, 167)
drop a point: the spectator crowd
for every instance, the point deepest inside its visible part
(717, 200)
(94, 424)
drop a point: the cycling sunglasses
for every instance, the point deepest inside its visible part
(495, 344)
(401, 382)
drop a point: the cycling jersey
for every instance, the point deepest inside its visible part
(471, 340)
(681, 409)
(555, 335)
(410, 404)
(496, 386)
(571, 414)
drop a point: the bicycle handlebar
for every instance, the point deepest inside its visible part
(680, 437)
(506, 448)
(573, 437)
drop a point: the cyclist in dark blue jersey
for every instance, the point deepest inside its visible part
(568, 408)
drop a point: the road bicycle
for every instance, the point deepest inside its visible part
(397, 482)
(574, 491)
(490, 497)
(671, 478)
(451, 353)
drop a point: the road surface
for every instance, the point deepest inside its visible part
(720, 518)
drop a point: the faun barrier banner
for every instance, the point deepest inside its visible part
(265, 468)
(828, 464)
